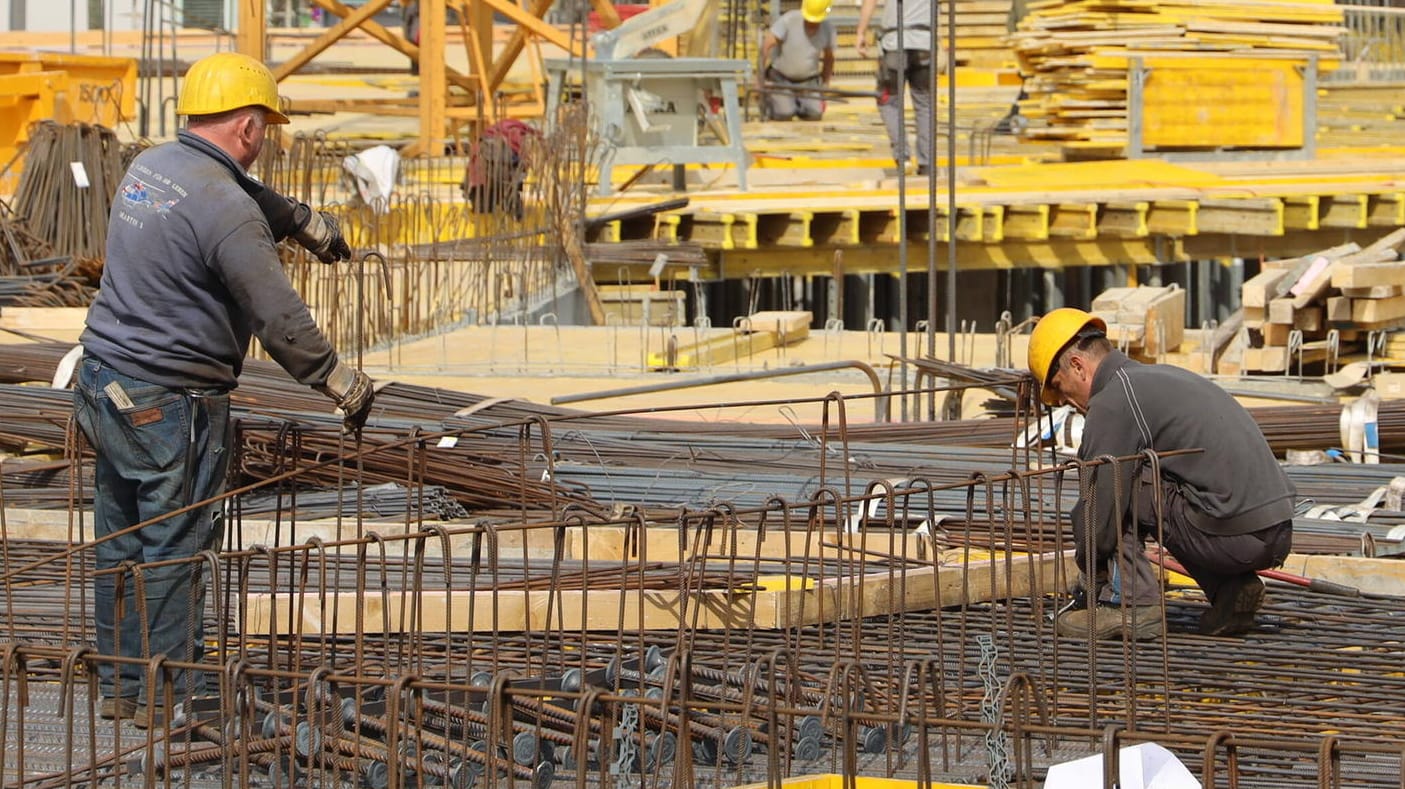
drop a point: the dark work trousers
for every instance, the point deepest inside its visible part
(158, 450)
(1212, 560)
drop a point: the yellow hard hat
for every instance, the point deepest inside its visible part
(227, 81)
(1051, 335)
(814, 10)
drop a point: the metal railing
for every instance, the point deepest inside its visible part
(1373, 48)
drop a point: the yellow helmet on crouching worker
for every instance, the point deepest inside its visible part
(814, 10)
(227, 81)
(1051, 335)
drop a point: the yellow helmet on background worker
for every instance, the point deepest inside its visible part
(227, 81)
(814, 10)
(1051, 335)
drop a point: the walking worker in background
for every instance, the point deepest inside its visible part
(1226, 512)
(907, 62)
(802, 41)
(191, 273)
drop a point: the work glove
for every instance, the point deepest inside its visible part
(321, 235)
(353, 392)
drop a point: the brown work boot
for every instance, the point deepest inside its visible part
(118, 707)
(1141, 622)
(1232, 611)
(150, 717)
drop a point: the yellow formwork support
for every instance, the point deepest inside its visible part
(1351, 211)
(1124, 219)
(1241, 216)
(1074, 220)
(1175, 218)
(1027, 222)
(1386, 210)
(1300, 212)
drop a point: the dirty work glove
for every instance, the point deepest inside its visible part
(353, 393)
(321, 235)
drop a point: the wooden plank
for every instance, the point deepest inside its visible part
(1373, 292)
(1314, 283)
(1255, 317)
(1165, 322)
(1377, 310)
(616, 544)
(1370, 575)
(1280, 311)
(1255, 291)
(1364, 276)
(610, 610)
(1338, 309)
(58, 323)
(791, 325)
(1274, 359)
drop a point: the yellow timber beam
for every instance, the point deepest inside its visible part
(331, 36)
(252, 39)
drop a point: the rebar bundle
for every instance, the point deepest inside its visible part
(70, 176)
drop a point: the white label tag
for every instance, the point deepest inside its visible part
(448, 442)
(80, 175)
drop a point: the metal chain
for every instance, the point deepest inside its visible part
(996, 741)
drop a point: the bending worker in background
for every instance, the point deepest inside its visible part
(802, 41)
(1227, 512)
(903, 63)
(191, 273)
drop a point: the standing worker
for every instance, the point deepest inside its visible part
(1227, 510)
(803, 42)
(191, 272)
(909, 63)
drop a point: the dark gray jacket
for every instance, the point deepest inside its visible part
(1234, 487)
(191, 274)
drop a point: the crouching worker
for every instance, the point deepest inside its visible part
(797, 60)
(1227, 511)
(497, 168)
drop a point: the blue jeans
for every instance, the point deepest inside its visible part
(158, 450)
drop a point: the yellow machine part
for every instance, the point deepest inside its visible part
(835, 781)
(61, 87)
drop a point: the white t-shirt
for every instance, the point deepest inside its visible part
(797, 58)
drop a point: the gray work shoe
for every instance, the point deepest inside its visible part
(1141, 622)
(1232, 611)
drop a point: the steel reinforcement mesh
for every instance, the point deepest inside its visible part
(895, 628)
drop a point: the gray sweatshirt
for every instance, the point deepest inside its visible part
(1234, 487)
(191, 274)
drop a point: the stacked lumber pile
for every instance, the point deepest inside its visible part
(1075, 55)
(1145, 322)
(981, 30)
(1291, 305)
(982, 27)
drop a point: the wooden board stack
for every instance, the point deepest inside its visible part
(1145, 322)
(1351, 290)
(1075, 55)
(982, 27)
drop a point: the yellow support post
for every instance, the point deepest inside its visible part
(252, 36)
(433, 86)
